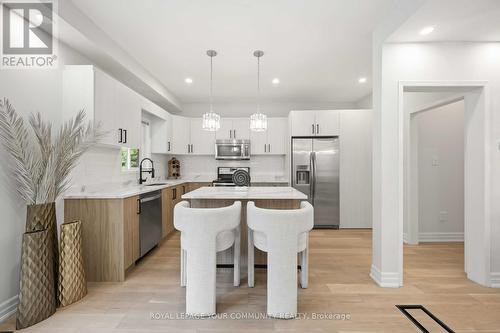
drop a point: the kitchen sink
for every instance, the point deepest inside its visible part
(156, 184)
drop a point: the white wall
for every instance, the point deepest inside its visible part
(267, 167)
(40, 90)
(356, 169)
(245, 109)
(28, 91)
(440, 140)
(430, 62)
(365, 102)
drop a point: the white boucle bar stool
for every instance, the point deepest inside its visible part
(204, 232)
(282, 234)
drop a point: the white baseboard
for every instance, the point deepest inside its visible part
(8, 308)
(385, 279)
(441, 237)
(495, 279)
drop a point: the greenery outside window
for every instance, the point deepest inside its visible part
(129, 159)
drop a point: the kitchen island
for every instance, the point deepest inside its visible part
(264, 197)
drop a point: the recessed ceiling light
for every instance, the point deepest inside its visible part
(427, 30)
(362, 80)
(188, 80)
(276, 81)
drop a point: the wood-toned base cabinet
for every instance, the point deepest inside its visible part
(170, 197)
(110, 230)
(110, 234)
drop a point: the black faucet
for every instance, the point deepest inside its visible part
(151, 171)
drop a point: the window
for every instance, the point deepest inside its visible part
(129, 159)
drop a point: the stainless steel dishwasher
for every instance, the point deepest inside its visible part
(150, 221)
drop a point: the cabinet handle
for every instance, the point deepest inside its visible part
(269, 149)
(317, 128)
(138, 206)
(313, 128)
(265, 148)
(125, 131)
(174, 193)
(168, 146)
(230, 134)
(192, 148)
(183, 189)
(120, 131)
(234, 131)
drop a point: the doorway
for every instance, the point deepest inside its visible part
(476, 233)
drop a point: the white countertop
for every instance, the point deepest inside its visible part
(246, 193)
(121, 191)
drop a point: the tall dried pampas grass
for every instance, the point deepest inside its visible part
(40, 164)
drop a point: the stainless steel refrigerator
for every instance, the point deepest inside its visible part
(315, 172)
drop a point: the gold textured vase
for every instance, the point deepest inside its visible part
(72, 285)
(41, 217)
(37, 295)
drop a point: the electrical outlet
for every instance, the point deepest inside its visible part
(443, 216)
(435, 160)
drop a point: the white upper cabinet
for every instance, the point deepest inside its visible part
(241, 128)
(225, 131)
(271, 141)
(276, 136)
(302, 123)
(106, 102)
(105, 112)
(181, 135)
(314, 123)
(161, 135)
(234, 128)
(258, 142)
(327, 123)
(128, 115)
(202, 141)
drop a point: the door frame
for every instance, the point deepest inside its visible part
(477, 203)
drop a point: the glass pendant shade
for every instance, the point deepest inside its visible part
(258, 122)
(211, 121)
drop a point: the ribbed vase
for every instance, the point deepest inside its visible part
(41, 217)
(72, 284)
(37, 295)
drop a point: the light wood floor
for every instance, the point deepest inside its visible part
(339, 283)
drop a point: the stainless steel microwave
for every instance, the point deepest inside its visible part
(232, 150)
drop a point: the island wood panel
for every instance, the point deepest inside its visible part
(226, 257)
(102, 236)
(131, 236)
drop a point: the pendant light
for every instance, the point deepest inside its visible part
(258, 120)
(211, 120)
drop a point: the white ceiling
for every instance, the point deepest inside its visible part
(454, 20)
(317, 48)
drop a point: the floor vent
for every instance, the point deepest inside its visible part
(419, 316)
